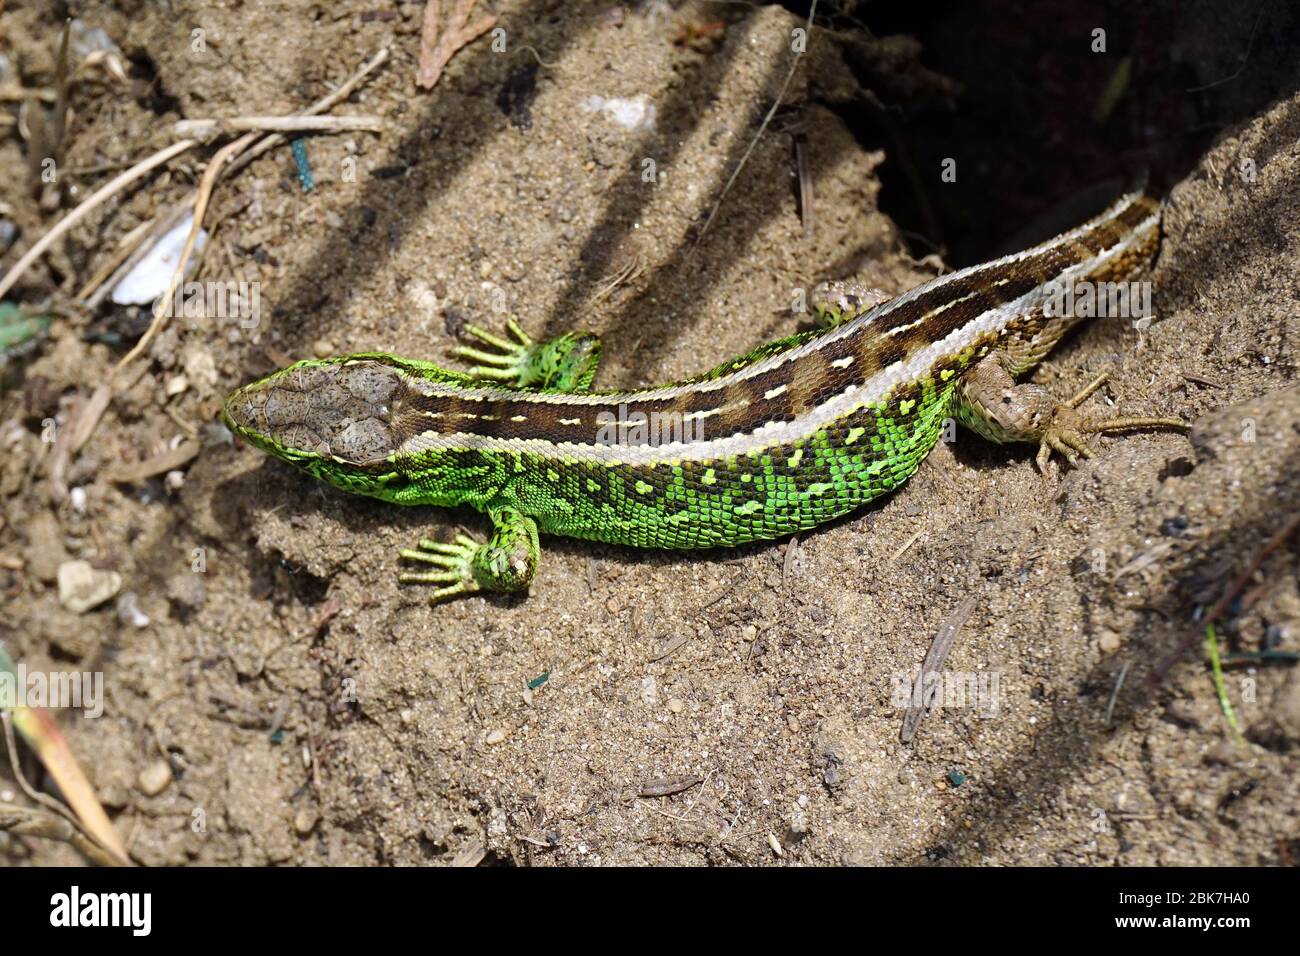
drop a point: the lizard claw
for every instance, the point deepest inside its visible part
(455, 561)
(1064, 434)
(508, 362)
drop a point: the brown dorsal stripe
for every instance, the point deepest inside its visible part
(791, 388)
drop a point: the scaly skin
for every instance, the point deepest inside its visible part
(787, 437)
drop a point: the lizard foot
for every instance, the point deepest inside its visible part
(567, 363)
(834, 303)
(508, 360)
(1065, 429)
(506, 563)
(456, 562)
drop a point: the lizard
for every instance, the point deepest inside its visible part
(791, 435)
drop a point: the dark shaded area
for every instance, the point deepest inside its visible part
(1040, 117)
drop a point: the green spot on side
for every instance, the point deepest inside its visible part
(749, 507)
(819, 487)
(642, 488)
(854, 435)
(906, 405)
(709, 478)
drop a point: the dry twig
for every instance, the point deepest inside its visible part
(92, 202)
(32, 821)
(206, 129)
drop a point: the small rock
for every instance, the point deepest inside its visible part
(175, 385)
(322, 348)
(799, 822)
(128, 611)
(775, 844)
(1109, 642)
(200, 369)
(154, 778)
(649, 691)
(45, 552)
(82, 587)
(676, 705)
(304, 821)
(495, 737)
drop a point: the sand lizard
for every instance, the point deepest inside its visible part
(791, 435)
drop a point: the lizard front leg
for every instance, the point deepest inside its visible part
(506, 563)
(567, 363)
(989, 402)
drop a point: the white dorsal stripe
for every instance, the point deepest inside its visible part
(774, 433)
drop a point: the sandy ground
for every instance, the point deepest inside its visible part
(734, 707)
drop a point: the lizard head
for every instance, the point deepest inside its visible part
(320, 409)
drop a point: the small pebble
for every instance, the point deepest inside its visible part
(649, 691)
(304, 821)
(676, 705)
(154, 778)
(1109, 642)
(496, 737)
(799, 822)
(775, 844)
(128, 611)
(322, 348)
(82, 587)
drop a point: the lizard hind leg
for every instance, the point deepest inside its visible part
(506, 563)
(567, 363)
(990, 403)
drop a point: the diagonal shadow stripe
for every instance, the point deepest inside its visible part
(343, 256)
(683, 277)
(1076, 738)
